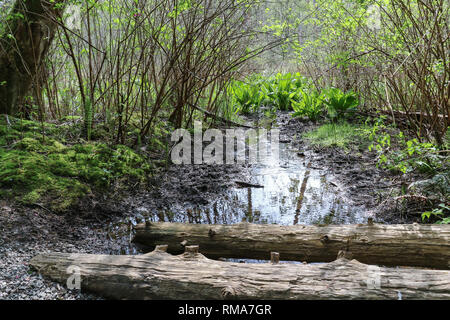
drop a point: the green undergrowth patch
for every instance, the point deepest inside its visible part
(38, 166)
(342, 135)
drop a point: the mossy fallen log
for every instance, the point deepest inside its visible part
(159, 275)
(389, 245)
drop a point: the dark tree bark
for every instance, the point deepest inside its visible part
(23, 47)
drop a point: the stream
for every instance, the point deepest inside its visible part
(290, 191)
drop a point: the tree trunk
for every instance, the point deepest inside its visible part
(159, 275)
(23, 48)
(390, 245)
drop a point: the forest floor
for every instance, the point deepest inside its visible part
(104, 224)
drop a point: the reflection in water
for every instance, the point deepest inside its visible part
(302, 194)
(293, 194)
(249, 200)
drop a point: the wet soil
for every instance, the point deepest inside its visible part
(315, 185)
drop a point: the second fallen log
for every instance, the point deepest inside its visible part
(159, 275)
(390, 245)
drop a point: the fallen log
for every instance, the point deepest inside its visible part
(219, 118)
(389, 245)
(417, 115)
(159, 275)
(243, 184)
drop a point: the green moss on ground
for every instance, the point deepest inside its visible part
(38, 165)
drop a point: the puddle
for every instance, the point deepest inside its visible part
(293, 193)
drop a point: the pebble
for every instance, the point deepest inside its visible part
(17, 280)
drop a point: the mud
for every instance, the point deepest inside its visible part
(311, 185)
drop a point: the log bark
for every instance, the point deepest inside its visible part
(389, 245)
(23, 48)
(159, 275)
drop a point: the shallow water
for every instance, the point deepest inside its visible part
(293, 192)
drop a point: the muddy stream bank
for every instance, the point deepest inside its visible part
(307, 186)
(304, 186)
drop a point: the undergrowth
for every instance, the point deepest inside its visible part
(291, 92)
(39, 166)
(341, 134)
(404, 156)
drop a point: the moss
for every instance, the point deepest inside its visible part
(71, 118)
(32, 196)
(37, 166)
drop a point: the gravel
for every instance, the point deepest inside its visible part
(25, 232)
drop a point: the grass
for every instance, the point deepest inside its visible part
(39, 166)
(340, 135)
